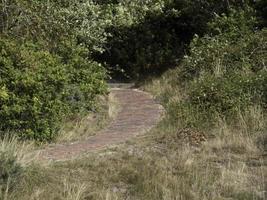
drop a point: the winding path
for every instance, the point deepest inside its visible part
(138, 113)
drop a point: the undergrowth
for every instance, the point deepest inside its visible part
(87, 124)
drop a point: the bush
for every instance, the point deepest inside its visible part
(47, 73)
(86, 77)
(225, 72)
(37, 89)
(52, 22)
(235, 47)
(230, 94)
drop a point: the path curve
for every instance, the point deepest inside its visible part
(138, 113)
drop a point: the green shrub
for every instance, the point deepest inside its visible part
(38, 91)
(225, 72)
(53, 22)
(46, 73)
(240, 49)
(230, 94)
(86, 77)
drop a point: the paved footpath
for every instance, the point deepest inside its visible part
(138, 113)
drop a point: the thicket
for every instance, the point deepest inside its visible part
(224, 74)
(46, 70)
(155, 35)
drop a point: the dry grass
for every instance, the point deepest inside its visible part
(229, 166)
(14, 157)
(82, 127)
(234, 154)
(113, 106)
(22, 151)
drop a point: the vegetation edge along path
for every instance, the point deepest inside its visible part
(138, 113)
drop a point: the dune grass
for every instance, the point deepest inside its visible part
(83, 126)
(159, 165)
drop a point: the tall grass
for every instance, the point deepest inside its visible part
(81, 127)
(227, 166)
(15, 157)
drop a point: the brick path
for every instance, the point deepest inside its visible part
(138, 113)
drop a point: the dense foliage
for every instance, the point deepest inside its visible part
(155, 34)
(51, 51)
(224, 74)
(38, 90)
(46, 71)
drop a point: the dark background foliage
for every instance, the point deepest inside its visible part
(160, 39)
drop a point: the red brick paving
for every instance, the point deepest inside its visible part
(138, 113)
